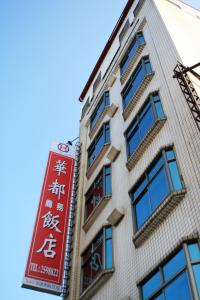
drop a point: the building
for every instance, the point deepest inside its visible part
(138, 211)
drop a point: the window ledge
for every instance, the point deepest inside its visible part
(158, 217)
(97, 160)
(95, 213)
(134, 158)
(110, 111)
(96, 284)
(125, 75)
(127, 111)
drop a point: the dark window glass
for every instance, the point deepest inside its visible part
(101, 187)
(151, 286)
(142, 123)
(98, 253)
(105, 101)
(179, 289)
(102, 138)
(196, 270)
(136, 43)
(153, 188)
(160, 297)
(194, 251)
(174, 265)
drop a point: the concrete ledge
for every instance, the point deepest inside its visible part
(129, 108)
(95, 213)
(160, 214)
(97, 160)
(125, 75)
(134, 158)
(96, 284)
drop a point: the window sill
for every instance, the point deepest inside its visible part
(96, 284)
(134, 158)
(125, 75)
(127, 111)
(97, 160)
(110, 111)
(158, 217)
(95, 213)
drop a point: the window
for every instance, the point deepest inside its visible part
(143, 68)
(102, 138)
(143, 122)
(97, 81)
(97, 257)
(124, 30)
(132, 50)
(100, 188)
(161, 179)
(138, 7)
(104, 102)
(171, 280)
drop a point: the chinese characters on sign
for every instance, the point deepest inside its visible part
(45, 264)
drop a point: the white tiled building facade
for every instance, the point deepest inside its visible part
(137, 236)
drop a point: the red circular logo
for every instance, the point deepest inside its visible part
(63, 147)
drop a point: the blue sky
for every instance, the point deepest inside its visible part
(48, 49)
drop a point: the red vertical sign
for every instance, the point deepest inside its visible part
(44, 270)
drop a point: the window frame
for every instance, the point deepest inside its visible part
(141, 65)
(144, 177)
(136, 122)
(135, 40)
(92, 187)
(103, 100)
(103, 230)
(94, 143)
(187, 269)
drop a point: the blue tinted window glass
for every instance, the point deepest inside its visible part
(170, 154)
(158, 189)
(194, 251)
(107, 185)
(142, 210)
(136, 81)
(196, 269)
(151, 286)
(175, 175)
(108, 254)
(133, 142)
(179, 289)
(99, 144)
(107, 99)
(148, 67)
(140, 188)
(129, 55)
(141, 39)
(155, 168)
(97, 113)
(159, 110)
(107, 133)
(146, 123)
(174, 265)
(108, 232)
